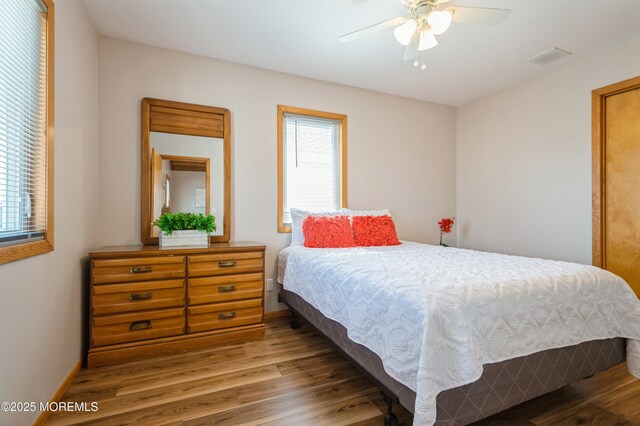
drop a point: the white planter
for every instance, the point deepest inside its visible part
(184, 239)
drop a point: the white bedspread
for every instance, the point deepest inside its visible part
(436, 315)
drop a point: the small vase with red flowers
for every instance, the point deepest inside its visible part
(445, 227)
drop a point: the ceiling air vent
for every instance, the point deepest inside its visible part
(548, 56)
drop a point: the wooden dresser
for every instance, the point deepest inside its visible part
(147, 302)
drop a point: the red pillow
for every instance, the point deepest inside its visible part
(327, 232)
(374, 231)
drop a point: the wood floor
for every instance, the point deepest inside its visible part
(297, 378)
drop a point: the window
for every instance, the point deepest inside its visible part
(312, 158)
(26, 128)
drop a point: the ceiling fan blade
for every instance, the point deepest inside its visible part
(479, 15)
(412, 47)
(372, 29)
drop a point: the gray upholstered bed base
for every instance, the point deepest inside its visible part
(502, 385)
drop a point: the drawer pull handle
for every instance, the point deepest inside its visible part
(140, 325)
(226, 315)
(140, 269)
(227, 264)
(140, 296)
(227, 288)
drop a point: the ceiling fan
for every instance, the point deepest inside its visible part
(426, 20)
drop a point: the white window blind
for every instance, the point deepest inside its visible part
(311, 164)
(23, 121)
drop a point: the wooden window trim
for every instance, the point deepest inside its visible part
(24, 250)
(598, 171)
(282, 109)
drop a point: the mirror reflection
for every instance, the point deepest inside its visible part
(187, 175)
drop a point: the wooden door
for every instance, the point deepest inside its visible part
(620, 180)
(157, 191)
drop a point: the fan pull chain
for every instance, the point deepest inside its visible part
(422, 67)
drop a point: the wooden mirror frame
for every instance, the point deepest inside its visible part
(184, 119)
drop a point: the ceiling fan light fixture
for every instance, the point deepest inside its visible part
(404, 32)
(427, 39)
(439, 21)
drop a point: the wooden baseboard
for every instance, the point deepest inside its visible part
(58, 395)
(273, 315)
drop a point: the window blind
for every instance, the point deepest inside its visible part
(23, 121)
(311, 164)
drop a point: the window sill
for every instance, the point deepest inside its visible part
(284, 228)
(24, 250)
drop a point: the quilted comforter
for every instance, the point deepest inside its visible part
(436, 315)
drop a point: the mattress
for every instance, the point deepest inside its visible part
(435, 316)
(501, 386)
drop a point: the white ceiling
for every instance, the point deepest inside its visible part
(301, 37)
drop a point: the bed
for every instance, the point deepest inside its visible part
(457, 335)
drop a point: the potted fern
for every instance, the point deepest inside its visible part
(185, 229)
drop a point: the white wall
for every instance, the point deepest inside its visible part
(401, 152)
(524, 160)
(41, 308)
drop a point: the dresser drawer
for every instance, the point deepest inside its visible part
(122, 328)
(133, 297)
(137, 269)
(223, 264)
(224, 315)
(225, 288)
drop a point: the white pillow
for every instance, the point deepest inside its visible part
(297, 217)
(383, 212)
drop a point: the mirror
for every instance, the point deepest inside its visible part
(185, 164)
(187, 176)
